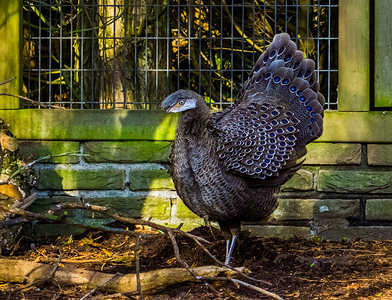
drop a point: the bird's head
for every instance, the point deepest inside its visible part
(180, 101)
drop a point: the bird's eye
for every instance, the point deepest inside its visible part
(181, 102)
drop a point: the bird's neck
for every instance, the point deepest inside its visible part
(194, 122)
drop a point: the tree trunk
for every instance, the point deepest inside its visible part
(129, 59)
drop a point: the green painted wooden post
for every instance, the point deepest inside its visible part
(383, 54)
(354, 68)
(10, 52)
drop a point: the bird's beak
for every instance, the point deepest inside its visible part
(174, 109)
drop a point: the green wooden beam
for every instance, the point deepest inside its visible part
(357, 127)
(354, 70)
(383, 54)
(10, 52)
(85, 125)
(49, 124)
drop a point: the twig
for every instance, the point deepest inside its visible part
(105, 211)
(47, 279)
(32, 101)
(21, 169)
(137, 267)
(26, 202)
(7, 81)
(217, 261)
(256, 288)
(13, 222)
(101, 285)
(62, 219)
(248, 285)
(185, 265)
(177, 254)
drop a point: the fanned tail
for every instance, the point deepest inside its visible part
(282, 73)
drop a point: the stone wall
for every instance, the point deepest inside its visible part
(343, 191)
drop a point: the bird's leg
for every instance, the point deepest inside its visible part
(231, 237)
(230, 243)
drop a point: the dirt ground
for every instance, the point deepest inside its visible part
(296, 269)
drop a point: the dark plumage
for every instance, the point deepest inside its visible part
(228, 166)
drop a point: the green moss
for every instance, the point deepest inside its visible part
(32, 150)
(150, 180)
(360, 181)
(68, 179)
(127, 152)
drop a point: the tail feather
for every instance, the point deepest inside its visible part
(281, 72)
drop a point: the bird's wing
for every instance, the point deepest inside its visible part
(257, 140)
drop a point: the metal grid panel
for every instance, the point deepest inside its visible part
(132, 53)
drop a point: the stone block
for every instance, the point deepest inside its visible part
(333, 154)
(308, 209)
(135, 207)
(301, 181)
(71, 179)
(44, 204)
(349, 233)
(150, 179)
(56, 230)
(359, 181)
(336, 209)
(181, 211)
(294, 209)
(378, 209)
(127, 152)
(32, 150)
(282, 232)
(379, 154)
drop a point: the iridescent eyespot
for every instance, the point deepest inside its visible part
(281, 50)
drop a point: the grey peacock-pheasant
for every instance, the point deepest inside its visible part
(229, 166)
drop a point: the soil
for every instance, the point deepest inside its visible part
(296, 268)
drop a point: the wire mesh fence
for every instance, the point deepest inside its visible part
(109, 54)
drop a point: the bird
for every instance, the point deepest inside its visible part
(228, 166)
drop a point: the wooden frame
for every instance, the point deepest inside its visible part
(353, 122)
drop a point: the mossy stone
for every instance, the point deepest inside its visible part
(301, 181)
(32, 150)
(127, 152)
(150, 180)
(70, 179)
(360, 181)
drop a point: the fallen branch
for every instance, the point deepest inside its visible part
(100, 286)
(49, 216)
(8, 142)
(27, 272)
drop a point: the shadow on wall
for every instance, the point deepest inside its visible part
(126, 167)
